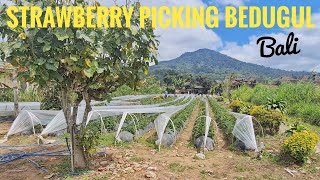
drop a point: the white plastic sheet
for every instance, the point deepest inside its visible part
(244, 130)
(27, 119)
(162, 120)
(7, 108)
(99, 112)
(208, 123)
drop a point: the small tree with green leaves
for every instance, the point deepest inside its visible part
(85, 64)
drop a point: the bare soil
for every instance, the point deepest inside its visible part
(142, 161)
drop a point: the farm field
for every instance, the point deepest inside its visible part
(142, 159)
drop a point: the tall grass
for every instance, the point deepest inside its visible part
(303, 99)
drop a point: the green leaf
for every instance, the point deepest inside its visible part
(46, 47)
(40, 61)
(40, 40)
(74, 57)
(89, 72)
(51, 67)
(61, 34)
(146, 71)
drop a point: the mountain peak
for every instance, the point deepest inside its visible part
(216, 66)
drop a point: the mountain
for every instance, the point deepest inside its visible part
(217, 66)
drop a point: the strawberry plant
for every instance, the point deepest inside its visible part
(224, 119)
(179, 119)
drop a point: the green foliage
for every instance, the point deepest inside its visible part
(235, 105)
(300, 145)
(297, 127)
(90, 139)
(156, 100)
(301, 100)
(224, 119)
(27, 95)
(143, 121)
(6, 95)
(270, 120)
(110, 122)
(276, 105)
(52, 98)
(179, 119)
(146, 86)
(200, 125)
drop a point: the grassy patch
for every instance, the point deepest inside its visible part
(177, 167)
(242, 168)
(136, 159)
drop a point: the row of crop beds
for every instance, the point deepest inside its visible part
(200, 124)
(225, 120)
(181, 118)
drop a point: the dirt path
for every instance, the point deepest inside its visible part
(183, 140)
(140, 160)
(219, 141)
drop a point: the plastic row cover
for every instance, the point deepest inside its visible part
(28, 119)
(7, 108)
(167, 109)
(208, 123)
(162, 120)
(99, 112)
(244, 131)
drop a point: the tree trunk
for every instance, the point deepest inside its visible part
(77, 148)
(77, 155)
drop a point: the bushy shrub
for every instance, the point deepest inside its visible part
(300, 145)
(276, 105)
(243, 93)
(6, 95)
(51, 98)
(245, 108)
(235, 105)
(303, 99)
(270, 120)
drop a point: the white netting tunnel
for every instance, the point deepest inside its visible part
(244, 130)
(54, 121)
(28, 119)
(162, 120)
(58, 123)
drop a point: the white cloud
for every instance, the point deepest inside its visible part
(228, 2)
(307, 59)
(176, 41)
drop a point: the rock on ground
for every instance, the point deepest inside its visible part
(199, 156)
(126, 136)
(167, 140)
(150, 175)
(199, 143)
(240, 145)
